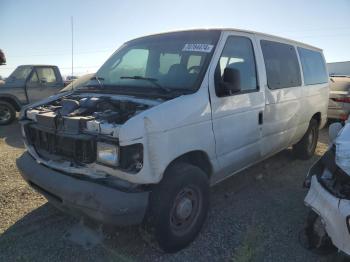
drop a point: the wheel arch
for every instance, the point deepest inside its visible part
(197, 158)
(11, 100)
(317, 117)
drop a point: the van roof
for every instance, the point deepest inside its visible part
(244, 31)
(38, 65)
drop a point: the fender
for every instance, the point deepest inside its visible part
(17, 103)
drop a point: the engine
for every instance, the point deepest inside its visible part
(94, 114)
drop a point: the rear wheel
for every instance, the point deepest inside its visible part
(7, 113)
(305, 148)
(178, 207)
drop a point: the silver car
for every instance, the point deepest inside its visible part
(339, 98)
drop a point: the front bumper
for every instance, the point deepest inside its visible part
(333, 211)
(99, 202)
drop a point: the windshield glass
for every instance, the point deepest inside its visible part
(21, 73)
(171, 61)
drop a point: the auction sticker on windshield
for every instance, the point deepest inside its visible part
(206, 48)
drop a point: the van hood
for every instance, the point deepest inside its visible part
(126, 118)
(77, 113)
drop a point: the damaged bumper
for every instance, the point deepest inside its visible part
(334, 213)
(99, 202)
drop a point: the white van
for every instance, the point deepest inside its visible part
(167, 116)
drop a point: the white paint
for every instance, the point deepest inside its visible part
(225, 129)
(333, 212)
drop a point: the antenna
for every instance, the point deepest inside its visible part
(71, 22)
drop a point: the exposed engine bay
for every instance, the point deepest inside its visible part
(78, 130)
(96, 114)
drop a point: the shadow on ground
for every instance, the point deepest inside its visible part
(12, 135)
(256, 215)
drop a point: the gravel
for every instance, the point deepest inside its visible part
(256, 215)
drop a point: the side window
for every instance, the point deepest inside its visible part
(281, 62)
(47, 74)
(314, 68)
(238, 54)
(34, 78)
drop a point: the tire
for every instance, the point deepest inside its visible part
(178, 207)
(7, 113)
(306, 147)
(316, 235)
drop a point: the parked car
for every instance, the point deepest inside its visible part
(78, 83)
(166, 117)
(339, 98)
(328, 198)
(27, 84)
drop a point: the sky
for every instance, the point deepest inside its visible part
(39, 32)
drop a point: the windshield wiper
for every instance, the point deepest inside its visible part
(98, 80)
(149, 79)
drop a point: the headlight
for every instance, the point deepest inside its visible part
(107, 154)
(131, 158)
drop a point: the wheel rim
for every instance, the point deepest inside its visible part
(185, 210)
(5, 114)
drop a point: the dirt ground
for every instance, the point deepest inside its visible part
(256, 215)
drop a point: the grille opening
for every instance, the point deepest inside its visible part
(53, 146)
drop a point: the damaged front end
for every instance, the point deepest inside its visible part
(329, 197)
(79, 133)
(76, 158)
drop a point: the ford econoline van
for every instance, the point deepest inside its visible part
(166, 117)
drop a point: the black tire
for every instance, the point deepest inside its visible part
(7, 113)
(181, 185)
(317, 238)
(306, 147)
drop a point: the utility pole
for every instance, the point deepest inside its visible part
(71, 22)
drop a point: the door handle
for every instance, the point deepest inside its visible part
(261, 117)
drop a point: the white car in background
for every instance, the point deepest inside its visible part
(339, 97)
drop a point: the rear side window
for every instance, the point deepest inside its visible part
(282, 66)
(47, 74)
(314, 68)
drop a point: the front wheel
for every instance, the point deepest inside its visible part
(178, 207)
(306, 147)
(7, 113)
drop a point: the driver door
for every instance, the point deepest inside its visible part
(41, 84)
(237, 117)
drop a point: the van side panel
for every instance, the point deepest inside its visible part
(314, 96)
(283, 108)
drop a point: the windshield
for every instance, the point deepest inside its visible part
(21, 73)
(172, 61)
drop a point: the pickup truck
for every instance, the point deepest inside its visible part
(26, 85)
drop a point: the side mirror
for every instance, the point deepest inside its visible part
(231, 81)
